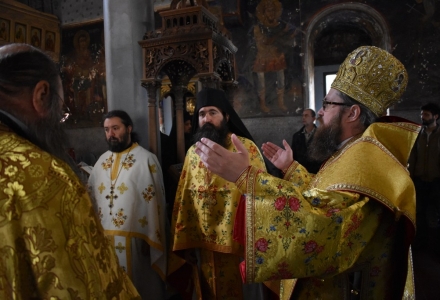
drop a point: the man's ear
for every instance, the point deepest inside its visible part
(129, 128)
(227, 118)
(354, 113)
(41, 97)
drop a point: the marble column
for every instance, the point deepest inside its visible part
(125, 23)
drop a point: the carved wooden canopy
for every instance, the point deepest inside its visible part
(191, 43)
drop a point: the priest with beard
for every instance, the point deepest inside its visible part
(205, 257)
(51, 242)
(344, 233)
(128, 196)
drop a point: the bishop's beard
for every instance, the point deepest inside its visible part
(218, 135)
(326, 140)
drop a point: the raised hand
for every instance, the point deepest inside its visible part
(281, 158)
(221, 161)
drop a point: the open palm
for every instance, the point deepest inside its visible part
(281, 158)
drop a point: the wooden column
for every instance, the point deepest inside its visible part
(153, 130)
(179, 91)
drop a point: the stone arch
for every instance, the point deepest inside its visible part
(357, 15)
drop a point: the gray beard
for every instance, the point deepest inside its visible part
(49, 135)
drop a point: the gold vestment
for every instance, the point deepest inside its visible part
(52, 246)
(346, 230)
(203, 218)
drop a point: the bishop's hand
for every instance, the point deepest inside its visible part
(281, 158)
(225, 163)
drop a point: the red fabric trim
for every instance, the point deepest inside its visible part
(239, 234)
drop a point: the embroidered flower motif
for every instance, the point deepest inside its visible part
(280, 203)
(332, 211)
(34, 155)
(12, 208)
(119, 218)
(128, 161)
(294, 204)
(38, 240)
(252, 152)
(316, 201)
(148, 193)
(36, 171)
(356, 222)
(11, 170)
(310, 246)
(107, 164)
(262, 245)
(259, 260)
(282, 272)
(272, 228)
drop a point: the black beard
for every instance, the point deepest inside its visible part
(216, 134)
(326, 140)
(428, 122)
(114, 145)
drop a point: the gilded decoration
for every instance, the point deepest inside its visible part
(373, 77)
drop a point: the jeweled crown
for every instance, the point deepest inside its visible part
(373, 77)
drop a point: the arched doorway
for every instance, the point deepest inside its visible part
(338, 30)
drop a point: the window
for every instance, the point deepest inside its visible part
(329, 77)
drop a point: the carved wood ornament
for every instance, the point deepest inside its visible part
(191, 44)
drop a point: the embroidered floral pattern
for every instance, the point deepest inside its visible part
(128, 161)
(262, 245)
(119, 219)
(148, 193)
(107, 164)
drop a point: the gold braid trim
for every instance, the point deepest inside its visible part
(250, 219)
(242, 178)
(290, 169)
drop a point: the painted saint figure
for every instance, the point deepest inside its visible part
(272, 37)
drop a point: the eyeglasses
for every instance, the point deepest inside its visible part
(325, 103)
(66, 113)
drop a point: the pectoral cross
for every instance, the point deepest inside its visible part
(111, 197)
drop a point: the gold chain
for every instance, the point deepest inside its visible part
(112, 195)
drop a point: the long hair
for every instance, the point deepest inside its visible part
(125, 119)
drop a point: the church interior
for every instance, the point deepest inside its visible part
(151, 57)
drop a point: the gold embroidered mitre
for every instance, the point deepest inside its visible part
(373, 77)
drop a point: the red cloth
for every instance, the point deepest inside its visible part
(239, 234)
